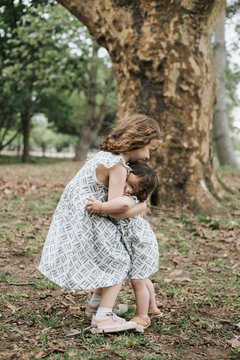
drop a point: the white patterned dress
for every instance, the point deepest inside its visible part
(82, 250)
(141, 244)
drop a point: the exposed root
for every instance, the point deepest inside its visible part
(227, 187)
(215, 185)
(201, 200)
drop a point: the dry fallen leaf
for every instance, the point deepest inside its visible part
(41, 355)
(175, 273)
(13, 308)
(215, 269)
(235, 343)
(182, 279)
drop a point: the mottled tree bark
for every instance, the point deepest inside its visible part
(221, 135)
(163, 64)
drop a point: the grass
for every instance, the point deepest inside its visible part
(45, 284)
(199, 314)
(7, 278)
(14, 296)
(35, 160)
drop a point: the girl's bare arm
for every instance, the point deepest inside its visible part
(135, 210)
(117, 180)
(116, 205)
(123, 207)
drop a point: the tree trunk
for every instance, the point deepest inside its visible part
(164, 68)
(89, 133)
(83, 145)
(221, 136)
(94, 116)
(26, 121)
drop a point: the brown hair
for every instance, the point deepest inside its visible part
(131, 133)
(149, 180)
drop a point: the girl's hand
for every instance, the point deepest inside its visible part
(94, 205)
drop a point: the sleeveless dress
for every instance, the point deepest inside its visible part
(141, 244)
(86, 251)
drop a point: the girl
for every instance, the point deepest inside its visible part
(84, 250)
(138, 238)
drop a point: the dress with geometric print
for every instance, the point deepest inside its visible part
(87, 251)
(141, 244)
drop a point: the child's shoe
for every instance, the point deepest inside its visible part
(110, 323)
(141, 323)
(118, 309)
(155, 312)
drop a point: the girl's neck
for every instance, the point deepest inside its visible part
(126, 156)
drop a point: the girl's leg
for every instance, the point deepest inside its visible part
(92, 306)
(98, 291)
(96, 297)
(142, 297)
(152, 300)
(109, 295)
(105, 321)
(108, 298)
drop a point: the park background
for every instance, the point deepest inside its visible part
(59, 96)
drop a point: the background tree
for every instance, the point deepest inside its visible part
(233, 6)
(233, 73)
(225, 152)
(97, 104)
(11, 20)
(46, 138)
(57, 72)
(10, 107)
(163, 66)
(9, 114)
(91, 97)
(33, 61)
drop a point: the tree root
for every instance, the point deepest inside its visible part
(219, 190)
(203, 199)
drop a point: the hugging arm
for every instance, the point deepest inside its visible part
(135, 210)
(116, 205)
(121, 207)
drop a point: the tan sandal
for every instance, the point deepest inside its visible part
(156, 312)
(141, 323)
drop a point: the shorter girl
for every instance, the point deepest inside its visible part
(137, 237)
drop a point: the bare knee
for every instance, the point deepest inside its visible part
(138, 283)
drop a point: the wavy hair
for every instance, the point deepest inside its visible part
(148, 180)
(131, 133)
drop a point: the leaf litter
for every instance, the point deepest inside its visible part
(197, 285)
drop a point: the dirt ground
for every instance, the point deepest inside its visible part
(197, 285)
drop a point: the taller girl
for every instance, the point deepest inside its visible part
(83, 250)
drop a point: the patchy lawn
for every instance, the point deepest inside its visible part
(197, 285)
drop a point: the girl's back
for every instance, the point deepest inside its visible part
(83, 250)
(86, 180)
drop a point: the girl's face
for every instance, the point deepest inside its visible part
(131, 185)
(144, 152)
